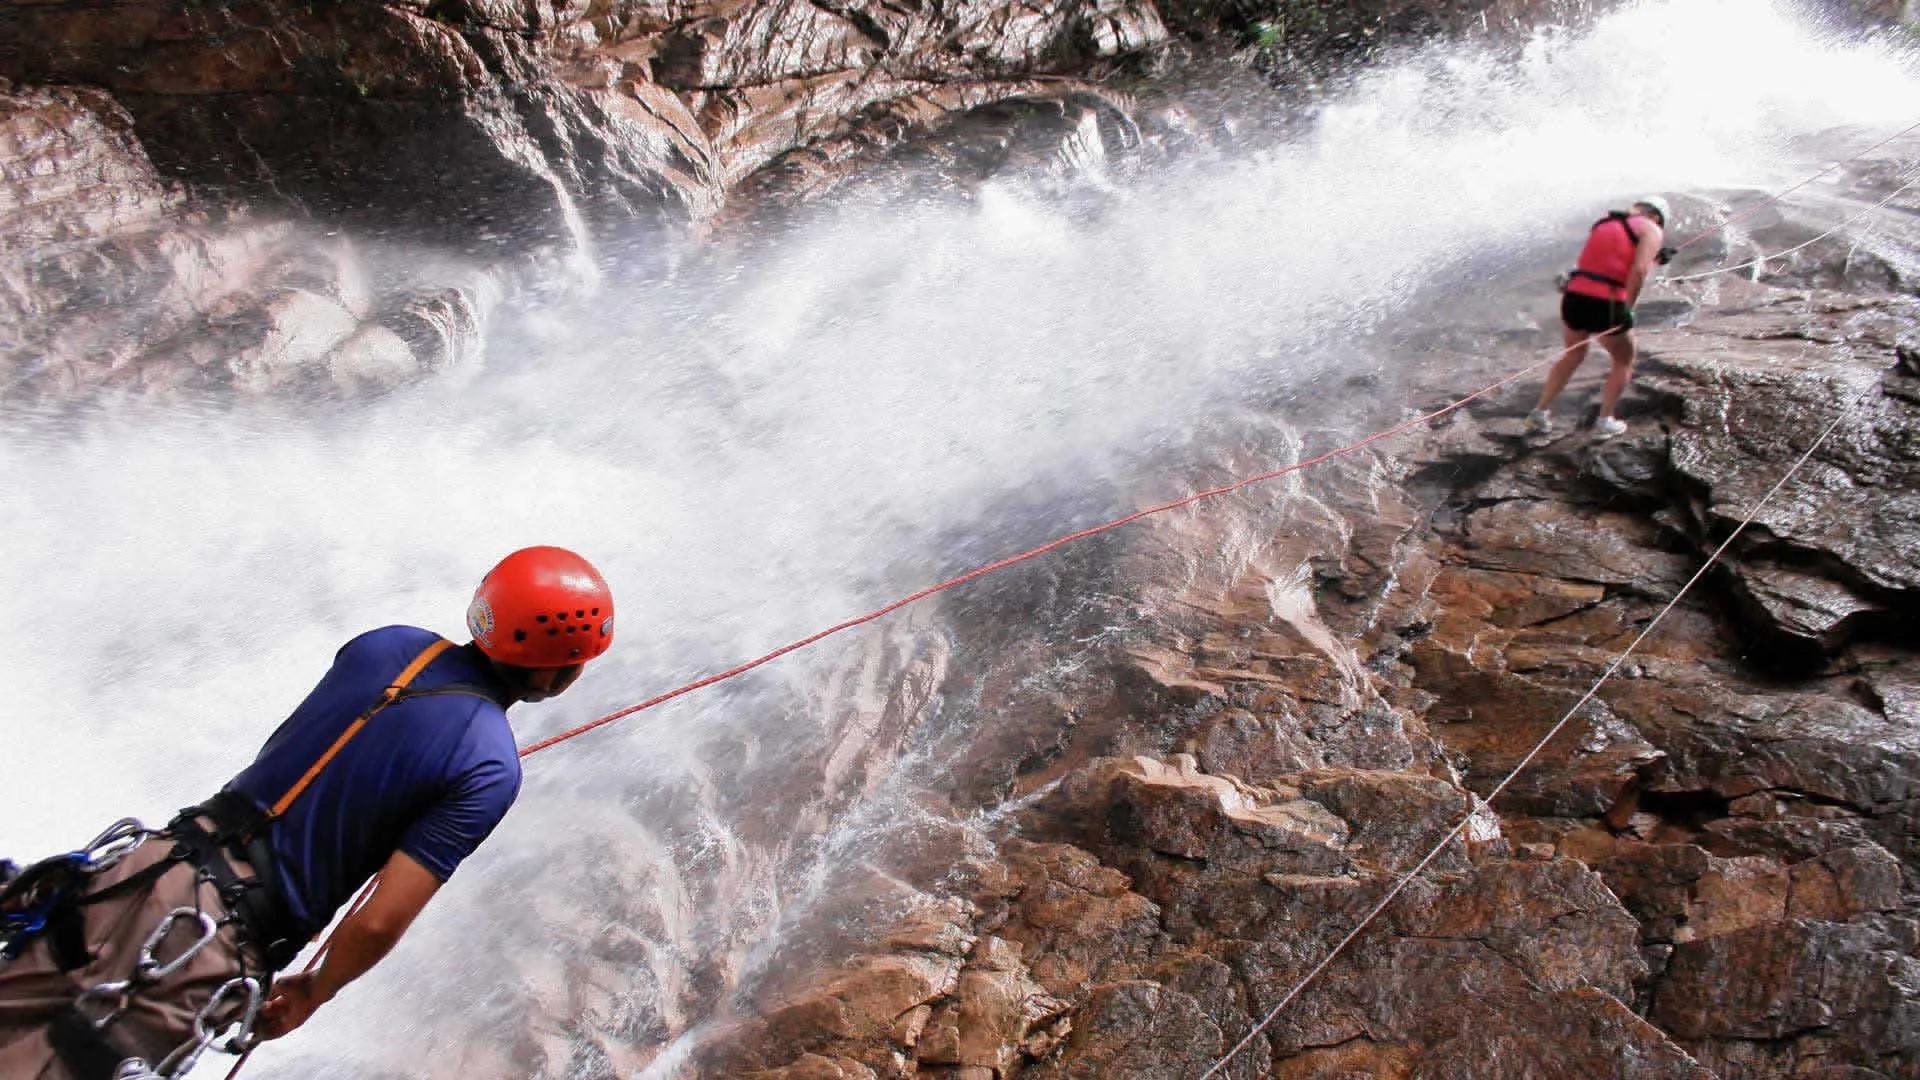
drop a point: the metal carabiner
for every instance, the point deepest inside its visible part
(116, 843)
(182, 1060)
(239, 1032)
(146, 969)
(152, 970)
(122, 991)
(136, 1069)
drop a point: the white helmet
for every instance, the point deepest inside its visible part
(1658, 205)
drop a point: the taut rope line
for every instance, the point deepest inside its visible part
(1765, 258)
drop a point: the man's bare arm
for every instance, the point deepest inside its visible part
(1645, 254)
(364, 937)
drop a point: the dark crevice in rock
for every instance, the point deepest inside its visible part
(459, 15)
(1456, 474)
(1691, 810)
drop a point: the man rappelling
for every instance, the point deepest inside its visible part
(131, 958)
(1598, 300)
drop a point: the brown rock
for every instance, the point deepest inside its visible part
(1655, 883)
(1785, 979)
(1598, 549)
(1356, 1059)
(816, 1067)
(1394, 818)
(548, 115)
(984, 1023)
(1734, 894)
(71, 168)
(1750, 415)
(1074, 917)
(935, 926)
(1135, 1029)
(908, 1028)
(1556, 921)
(1510, 600)
(1181, 812)
(1845, 882)
(1568, 1033)
(116, 283)
(866, 1003)
(1257, 748)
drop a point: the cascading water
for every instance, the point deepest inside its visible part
(754, 450)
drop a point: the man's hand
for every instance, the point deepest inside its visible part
(294, 998)
(400, 890)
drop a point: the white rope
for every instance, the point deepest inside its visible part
(1764, 259)
(1408, 877)
(1777, 196)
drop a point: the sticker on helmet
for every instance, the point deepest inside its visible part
(606, 627)
(480, 621)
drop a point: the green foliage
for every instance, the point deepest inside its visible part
(1294, 22)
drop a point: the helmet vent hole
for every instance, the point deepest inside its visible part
(553, 631)
(596, 611)
(562, 616)
(571, 629)
(540, 618)
(519, 635)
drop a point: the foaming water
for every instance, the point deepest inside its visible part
(753, 451)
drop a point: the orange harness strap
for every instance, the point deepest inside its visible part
(387, 697)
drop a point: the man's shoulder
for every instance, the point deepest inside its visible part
(451, 687)
(485, 750)
(398, 639)
(385, 651)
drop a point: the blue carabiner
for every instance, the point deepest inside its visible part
(19, 928)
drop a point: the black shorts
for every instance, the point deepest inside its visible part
(1592, 315)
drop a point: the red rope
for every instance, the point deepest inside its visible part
(1023, 557)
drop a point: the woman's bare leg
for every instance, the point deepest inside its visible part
(1564, 367)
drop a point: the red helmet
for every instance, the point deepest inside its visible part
(542, 607)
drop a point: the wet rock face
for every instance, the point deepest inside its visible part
(334, 106)
(1758, 829)
(114, 282)
(549, 118)
(1834, 553)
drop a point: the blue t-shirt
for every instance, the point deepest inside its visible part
(428, 775)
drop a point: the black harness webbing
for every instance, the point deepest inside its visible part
(239, 830)
(1632, 238)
